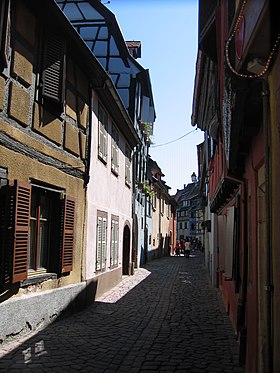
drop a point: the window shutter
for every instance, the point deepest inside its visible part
(104, 227)
(103, 126)
(115, 150)
(114, 242)
(68, 234)
(54, 68)
(21, 231)
(99, 244)
(127, 165)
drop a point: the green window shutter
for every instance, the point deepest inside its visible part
(99, 244)
(54, 68)
(127, 165)
(115, 149)
(22, 205)
(114, 242)
(102, 137)
(68, 234)
(104, 245)
(116, 246)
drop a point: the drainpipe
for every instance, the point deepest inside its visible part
(268, 282)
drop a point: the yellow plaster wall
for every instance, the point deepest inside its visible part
(71, 139)
(82, 113)
(31, 142)
(24, 168)
(71, 106)
(47, 124)
(22, 65)
(19, 104)
(83, 139)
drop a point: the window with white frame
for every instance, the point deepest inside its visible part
(102, 134)
(115, 150)
(127, 165)
(155, 200)
(114, 251)
(168, 210)
(101, 246)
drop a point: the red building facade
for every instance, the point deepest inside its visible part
(236, 103)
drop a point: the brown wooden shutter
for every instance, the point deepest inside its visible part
(68, 234)
(54, 68)
(21, 231)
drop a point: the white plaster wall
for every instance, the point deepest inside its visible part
(140, 213)
(107, 193)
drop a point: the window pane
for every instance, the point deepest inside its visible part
(89, 12)
(43, 206)
(72, 12)
(43, 245)
(32, 246)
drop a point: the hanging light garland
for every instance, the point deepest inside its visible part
(236, 27)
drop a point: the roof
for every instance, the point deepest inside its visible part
(49, 13)
(100, 30)
(189, 192)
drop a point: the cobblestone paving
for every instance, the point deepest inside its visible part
(165, 318)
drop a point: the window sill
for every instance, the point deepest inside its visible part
(115, 172)
(37, 279)
(102, 159)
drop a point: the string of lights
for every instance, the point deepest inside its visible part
(170, 142)
(266, 66)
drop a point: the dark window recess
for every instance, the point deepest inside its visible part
(4, 32)
(37, 232)
(3, 220)
(53, 68)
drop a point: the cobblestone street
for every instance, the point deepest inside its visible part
(165, 318)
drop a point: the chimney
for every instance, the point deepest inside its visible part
(194, 179)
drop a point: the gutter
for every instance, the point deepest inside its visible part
(268, 287)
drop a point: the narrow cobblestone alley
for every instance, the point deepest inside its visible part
(165, 318)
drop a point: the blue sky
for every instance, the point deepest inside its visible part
(168, 33)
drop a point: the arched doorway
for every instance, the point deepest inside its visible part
(126, 250)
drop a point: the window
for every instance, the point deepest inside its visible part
(114, 241)
(40, 233)
(53, 69)
(102, 135)
(162, 205)
(115, 150)
(127, 165)
(168, 211)
(155, 200)
(5, 23)
(101, 246)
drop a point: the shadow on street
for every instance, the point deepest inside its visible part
(172, 321)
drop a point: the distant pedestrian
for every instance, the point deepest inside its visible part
(187, 248)
(182, 243)
(177, 248)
